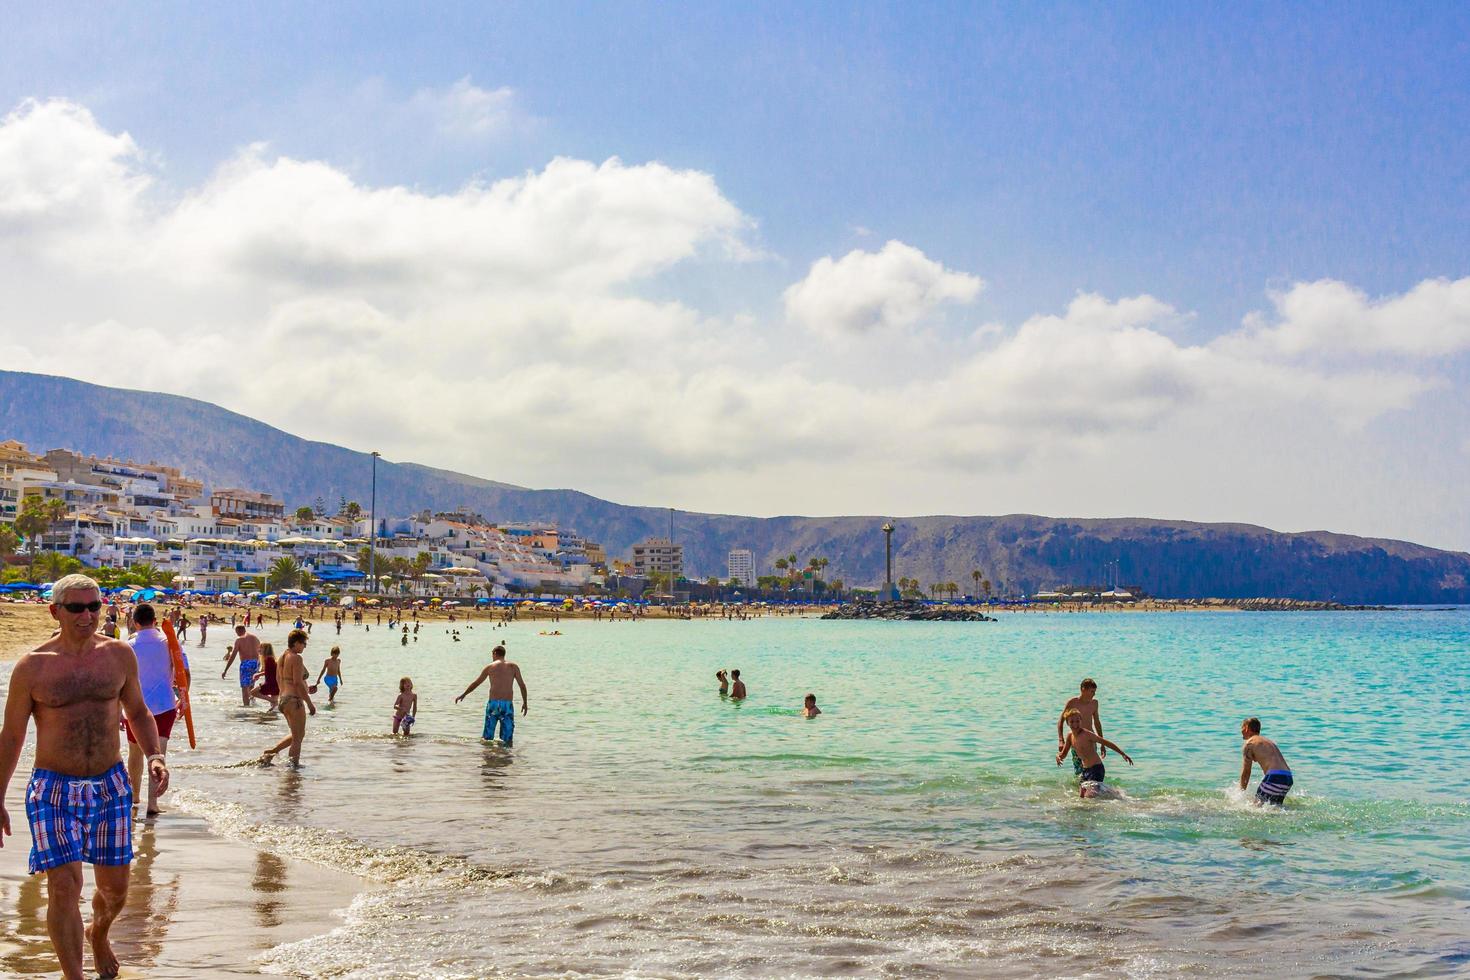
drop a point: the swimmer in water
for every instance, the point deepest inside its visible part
(1086, 704)
(809, 707)
(1261, 751)
(1088, 747)
(724, 680)
(737, 693)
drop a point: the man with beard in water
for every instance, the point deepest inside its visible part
(79, 800)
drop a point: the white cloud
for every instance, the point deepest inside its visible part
(524, 307)
(863, 292)
(465, 110)
(1328, 316)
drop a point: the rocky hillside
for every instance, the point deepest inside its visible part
(1019, 551)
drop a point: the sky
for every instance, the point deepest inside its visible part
(1189, 262)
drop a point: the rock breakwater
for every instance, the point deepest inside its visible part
(907, 610)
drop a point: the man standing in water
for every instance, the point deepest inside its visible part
(247, 648)
(1085, 704)
(500, 709)
(78, 801)
(1261, 751)
(295, 699)
(156, 678)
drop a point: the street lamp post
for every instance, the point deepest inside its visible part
(373, 528)
(888, 561)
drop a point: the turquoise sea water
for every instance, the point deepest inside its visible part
(642, 825)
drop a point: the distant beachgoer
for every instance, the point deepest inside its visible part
(500, 706)
(295, 699)
(156, 678)
(406, 707)
(737, 692)
(1088, 746)
(247, 648)
(809, 708)
(78, 799)
(724, 679)
(331, 672)
(203, 629)
(268, 685)
(1085, 704)
(1261, 751)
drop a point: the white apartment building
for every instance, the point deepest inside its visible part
(658, 555)
(741, 565)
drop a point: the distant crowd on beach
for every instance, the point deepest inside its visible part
(78, 685)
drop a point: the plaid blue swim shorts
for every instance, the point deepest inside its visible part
(80, 819)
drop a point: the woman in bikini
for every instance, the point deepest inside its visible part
(295, 699)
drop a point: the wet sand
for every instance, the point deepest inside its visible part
(197, 905)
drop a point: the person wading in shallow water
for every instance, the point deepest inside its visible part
(78, 802)
(295, 699)
(500, 708)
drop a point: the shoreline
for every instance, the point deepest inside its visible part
(23, 625)
(189, 887)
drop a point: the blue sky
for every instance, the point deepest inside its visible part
(1202, 156)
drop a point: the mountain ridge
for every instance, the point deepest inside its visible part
(1022, 552)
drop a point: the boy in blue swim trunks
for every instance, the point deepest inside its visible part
(331, 672)
(500, 709)
(1261, 751)
(79, 800)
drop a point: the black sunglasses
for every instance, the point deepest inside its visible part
(76, 608)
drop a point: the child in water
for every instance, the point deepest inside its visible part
(331, 672)
(405, 707)
(809, 708)
(268, 688)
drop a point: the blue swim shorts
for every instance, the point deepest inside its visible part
(331, 680)
(80, 819)
(1274, 786)
(247, 671)
(504, 713)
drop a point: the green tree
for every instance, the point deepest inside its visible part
(306, 582)
(9, 542)
(53, 565)
(352, 510)
(304, 513)
(985, 587)
(975, 575)
(252, 583)
(35, 518)
(838, 585)
(144, 575)
(791, 566)
(422, 562)
(284, 574)
(781, 566)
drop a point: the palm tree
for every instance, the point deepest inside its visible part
(822, 567)
(422, 562)
(35, 518)
(791, 566)
(781, 566)
(53, 565)
(352, 510)
(985, 586)
(976, 576)
(284, 574)
(837, 585)
(9, 542)
(953, 588)
(144, 574)
(306, 582)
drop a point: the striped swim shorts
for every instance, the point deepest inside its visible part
(74, 818)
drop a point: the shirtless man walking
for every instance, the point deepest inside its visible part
(1085, 704)
(295, 699)
(1261, 751)
(500, 708)
(247, 648)
(78, 801)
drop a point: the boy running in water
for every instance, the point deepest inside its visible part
(1088, 746)
(1085, 704)
(331, 672)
